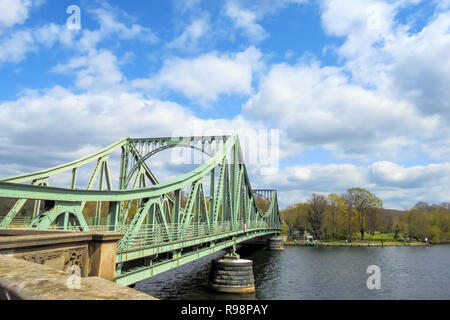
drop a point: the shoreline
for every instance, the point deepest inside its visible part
(358, 244)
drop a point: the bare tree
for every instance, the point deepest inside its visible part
(316, 210)
(349, 204)
(372, 220)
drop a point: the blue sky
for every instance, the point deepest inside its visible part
(359, 90)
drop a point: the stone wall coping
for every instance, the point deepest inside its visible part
(26, 231)
(107, 236)
(20, 279)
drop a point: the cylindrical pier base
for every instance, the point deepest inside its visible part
(276, 243)
(232, 275)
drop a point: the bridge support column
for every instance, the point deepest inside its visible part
(230, 274)
(276, 243)
(103, 251)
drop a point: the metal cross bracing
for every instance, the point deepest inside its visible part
(161, 227)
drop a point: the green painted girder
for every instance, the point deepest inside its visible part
(137, 221)
(204, 206)
(12, 190)
(12, 213)
(140, 160)
(20, 203)
(65, 167)
(187, 217)
(60, 209)
(141, 166)
(219, 191)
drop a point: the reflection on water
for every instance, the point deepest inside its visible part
(320, 273)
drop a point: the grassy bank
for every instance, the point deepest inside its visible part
(358, 243)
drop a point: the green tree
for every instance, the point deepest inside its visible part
(361, 201)
(285, 229)
(337, 210)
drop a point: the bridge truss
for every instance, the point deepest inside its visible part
(208, 209)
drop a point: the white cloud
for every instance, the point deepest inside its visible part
(51, 33)
(207, 76)
(396, 63)
(13, 12)
(399, 187)
(318, 178)
(319, 106)
(94, 71)
(247, 15)
(443, 4)
(246, 21)
(41, 130)
(369, 19)
(421, 65)
(112, 28)
(191, 35)
(386, 172)
(15, 46)
(110, 24)
(186, 5)
(383, 53)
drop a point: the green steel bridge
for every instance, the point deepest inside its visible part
(164, 225)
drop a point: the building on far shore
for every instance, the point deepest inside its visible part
(299, 234)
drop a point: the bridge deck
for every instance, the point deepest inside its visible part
(177, 253)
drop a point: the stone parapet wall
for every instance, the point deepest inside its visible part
(25, 280)
(93, 253)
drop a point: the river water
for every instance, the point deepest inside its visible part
(320, 273)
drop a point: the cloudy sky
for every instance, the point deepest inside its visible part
(359, 90)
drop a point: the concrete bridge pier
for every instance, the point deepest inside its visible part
(230, 274)
(276, 243)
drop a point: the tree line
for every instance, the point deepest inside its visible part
(358, 213)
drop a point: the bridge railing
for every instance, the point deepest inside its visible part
(156, 234)
(18, 221)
